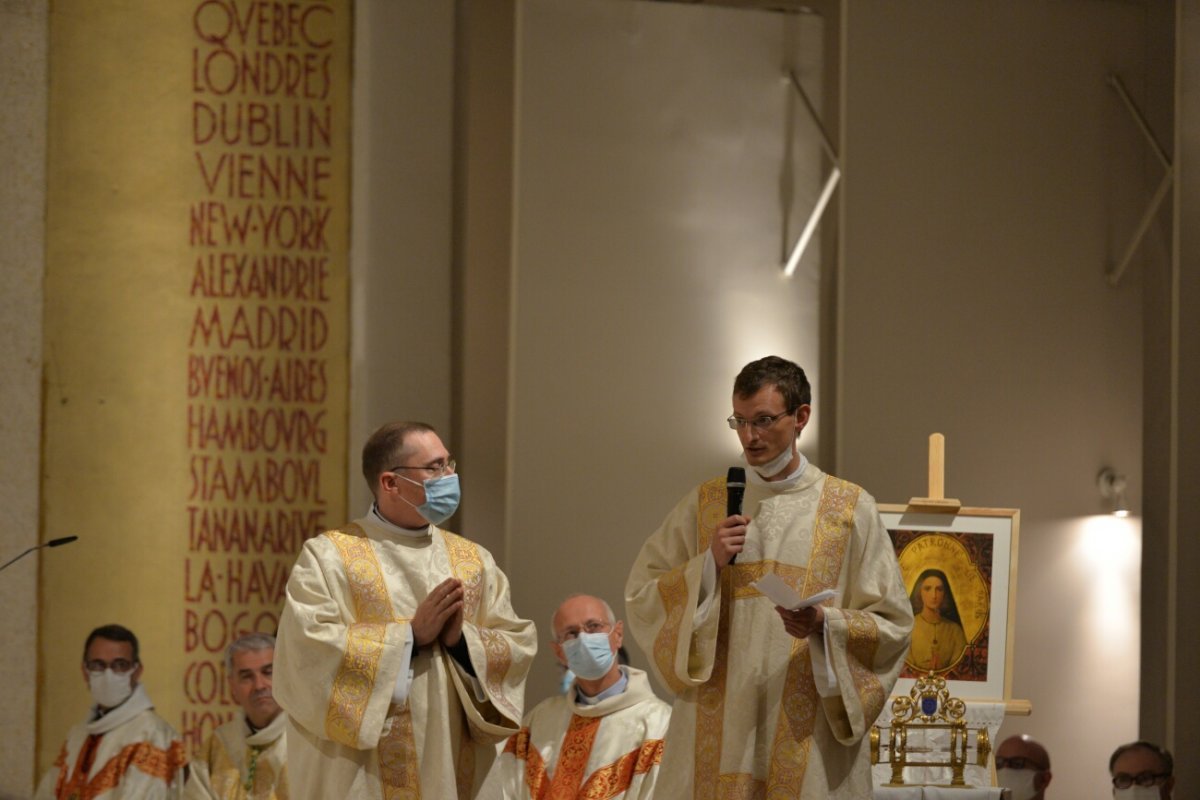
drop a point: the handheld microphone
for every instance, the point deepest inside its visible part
(52, 543)
(735, 490)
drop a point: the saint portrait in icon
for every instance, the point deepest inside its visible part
(948, 577)
(938, 640)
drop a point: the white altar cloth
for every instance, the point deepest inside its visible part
(978, 714)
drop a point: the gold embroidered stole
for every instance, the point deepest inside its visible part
(355, 680)
(797, 719)
(142, 756)
(467, 565)
(399, 765)
(568, 784)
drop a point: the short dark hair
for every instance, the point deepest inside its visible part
(1163, 754)
(114, 633)
(385, 449)
(784, 375)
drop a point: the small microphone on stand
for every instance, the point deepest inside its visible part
(52, 543)
(735, 490)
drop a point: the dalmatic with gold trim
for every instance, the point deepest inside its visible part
(572, 751)
(338, 655)
(748, 720)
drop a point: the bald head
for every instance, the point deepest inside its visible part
(1026, 747)
(576, 611)
(1023, 765)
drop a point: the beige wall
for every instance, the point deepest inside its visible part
(991, 175)
(1170, 707)
(400, 277)
(22, 200)
(651, 156)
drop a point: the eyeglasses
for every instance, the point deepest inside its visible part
(1017, 762)
(117, 665)
(760, 423)
(437, 470)
(591, 626)
(1123, 780)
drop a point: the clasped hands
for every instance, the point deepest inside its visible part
(440, 615)
(729, 540)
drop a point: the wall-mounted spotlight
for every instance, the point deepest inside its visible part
(1112, 489)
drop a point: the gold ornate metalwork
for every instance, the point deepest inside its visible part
(929, 707)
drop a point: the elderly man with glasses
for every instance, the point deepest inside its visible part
(771, 700)
(123, 749)
(400, 662)
(1023, 767)
(604, 737)
(1142, 771)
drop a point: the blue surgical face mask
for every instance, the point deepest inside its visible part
(441, 498)
(567, 679)
(589, 655)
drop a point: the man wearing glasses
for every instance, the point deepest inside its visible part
(771, 700)
(400, 662)
(1023, 767)
(123, 749)
(1142, 771)
(604, 737)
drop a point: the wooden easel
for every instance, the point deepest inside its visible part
(938, 503)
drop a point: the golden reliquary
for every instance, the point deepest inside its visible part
(928, 708)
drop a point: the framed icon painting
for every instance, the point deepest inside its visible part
(960, 571)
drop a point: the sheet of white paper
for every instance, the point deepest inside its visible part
(783, 596)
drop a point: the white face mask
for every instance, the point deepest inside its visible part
(1136, 792)
(110, 689)
(1020, 781)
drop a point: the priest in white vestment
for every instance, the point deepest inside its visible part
(769, 701)
(400, 662)
(603, 738)
(245, 759)
(124, 750)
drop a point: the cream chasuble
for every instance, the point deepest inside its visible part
(342, 636)
(569, 750)
(748, 720)
(235, 764)
(130, 753)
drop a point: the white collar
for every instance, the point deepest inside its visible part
(611, 691)
(782, 484)
(411, 533)
(270, 733)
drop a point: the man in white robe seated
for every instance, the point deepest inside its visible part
(771, 701)
(400, 662)
(123, 749)
(603, 738)
(245, 757)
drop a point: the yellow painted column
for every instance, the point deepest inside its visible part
(196, 331)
